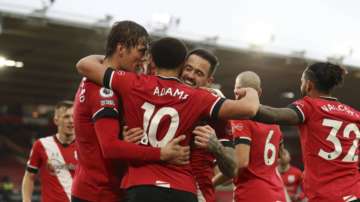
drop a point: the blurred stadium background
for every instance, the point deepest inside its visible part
(37, 58)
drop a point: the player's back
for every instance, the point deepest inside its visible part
(329, 139)
(96, 178)
(165, 108)
(261, 172)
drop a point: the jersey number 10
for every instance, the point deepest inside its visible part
(151, 123)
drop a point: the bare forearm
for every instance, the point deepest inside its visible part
(225, 160)
(244, 108)
(220, 179)
(27, 188)
(107, 130)
(271, 115)
(92, 68)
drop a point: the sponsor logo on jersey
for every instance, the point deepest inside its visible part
(105, 92)
(107, 102)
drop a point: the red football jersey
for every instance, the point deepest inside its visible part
(260, 181)
(292, 179)
(165, 108)
(97, 178)
(203, 162)
(56, 163)
(329, 138)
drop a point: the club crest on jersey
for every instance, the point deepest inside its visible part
(237, 127)
(291, 178)
(105, 92)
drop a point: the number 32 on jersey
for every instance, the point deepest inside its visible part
(335, 126)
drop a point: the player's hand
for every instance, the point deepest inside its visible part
(133, 135)
(239, 93)
(206, 138)
(174, 153)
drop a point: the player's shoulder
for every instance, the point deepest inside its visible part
(211, 91)
(241, 125)
(351, 108)
(195, 90)
(241, 122)
(89, 85)
(304, 101)
(332, 105)
(296, 170)
(46, 138)
(122, 73)
(93, 89)
(36, 143)
(40, 141)
(275, 127)
(259, 127)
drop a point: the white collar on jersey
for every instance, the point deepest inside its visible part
(329, 98)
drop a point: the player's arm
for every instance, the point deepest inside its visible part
(206, 138)
(281, 148)
(92, 68)
(27, 187)
(300, 195)
(281, 116)
(32, 167)
(107, 130)
(242, 154)
(244, 108)
(220, 179)
(242, 133)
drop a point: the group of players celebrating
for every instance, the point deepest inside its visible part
(154, 135)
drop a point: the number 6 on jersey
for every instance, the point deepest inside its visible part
(269, 148)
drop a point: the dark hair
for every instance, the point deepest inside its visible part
(325, 75)
(64, 103)
(208, 56)
(128, 33)
(168, 53)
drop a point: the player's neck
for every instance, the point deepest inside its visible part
(111, 62)
(284, 168)
(167, 73)
(65, 139)
(317, 94)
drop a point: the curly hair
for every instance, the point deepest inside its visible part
(326, 76)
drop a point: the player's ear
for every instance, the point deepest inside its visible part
(210, 80)
(56, 120)
(259, 92)
(120, 49)
(310, 86)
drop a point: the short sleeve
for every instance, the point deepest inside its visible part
(303, 109)
(241, 132)
(119, 81)
(36, 157)
(104, 103)
(209, 103)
